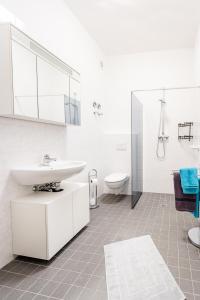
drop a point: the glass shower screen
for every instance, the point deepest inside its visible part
(136, 150)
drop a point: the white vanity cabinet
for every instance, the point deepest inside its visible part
(35, 84)
(42, 222)
(80, 209)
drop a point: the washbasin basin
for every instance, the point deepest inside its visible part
(56, 171)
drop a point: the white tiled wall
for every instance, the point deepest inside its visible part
(21, 143)
(53, 25)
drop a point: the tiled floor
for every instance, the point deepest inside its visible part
(78, 272)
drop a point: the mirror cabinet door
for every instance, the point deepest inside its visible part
(24, 81)
(74, 102)
(53, 89)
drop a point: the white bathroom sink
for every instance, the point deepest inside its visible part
(56, 171)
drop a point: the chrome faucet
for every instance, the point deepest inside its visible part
(47, 159)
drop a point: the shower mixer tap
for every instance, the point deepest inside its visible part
(162, 137)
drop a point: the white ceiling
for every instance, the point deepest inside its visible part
(129, 26)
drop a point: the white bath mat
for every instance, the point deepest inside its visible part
(135, 270)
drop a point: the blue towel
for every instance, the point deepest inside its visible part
(189, 180)
(196, 212)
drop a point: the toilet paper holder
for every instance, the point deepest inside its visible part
(92, 179)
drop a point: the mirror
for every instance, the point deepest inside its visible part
(43, 88)
(73, 104)
(53, 89)
(24, 81)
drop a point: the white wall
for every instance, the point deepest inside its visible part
(52, 24)
(197, 58)
(143, 71)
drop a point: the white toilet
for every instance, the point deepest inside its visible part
(116, 182)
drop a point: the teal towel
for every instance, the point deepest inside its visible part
(196, 212)
(189, 180)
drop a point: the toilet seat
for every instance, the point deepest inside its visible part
(116, 177)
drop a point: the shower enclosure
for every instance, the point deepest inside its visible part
(136, 149)
(172, 136)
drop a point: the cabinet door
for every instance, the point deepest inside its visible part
(53, 88)
(29, 230)
(74, 103)
(59, 224)
(81, 211)
(24, 81)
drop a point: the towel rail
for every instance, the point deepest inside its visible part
(177, 171)
(174, 171)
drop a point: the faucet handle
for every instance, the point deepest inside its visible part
(47, 159)
(47, 156)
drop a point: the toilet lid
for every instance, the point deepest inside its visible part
(116, 177)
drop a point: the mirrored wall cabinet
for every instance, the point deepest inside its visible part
(35, 84)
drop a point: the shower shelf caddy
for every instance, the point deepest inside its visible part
(188, 136)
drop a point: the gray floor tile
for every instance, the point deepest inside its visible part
(4, 292)
(99, 270)
(16, 294)
(49, 288)
(66, 254)
(196, 287)
(70, 277)
(58, 263)
(186, 285)
(185, 273)
(44, 272)
(27, 296)
(59, 275)
(87, 294)
(189, 296)
(102, 285)
(12, 280)
(73, 293)
(37, 286)
(11, 265)
(195, 264)
(100, 295)
(76, 266)
(174, 271)
(27, 283)
(82, 280)
(28, 269)
(40, 297)
(184, 263)
(94, 282)
(82, 260)
(89, 268)
(196, 275)
(61, 290)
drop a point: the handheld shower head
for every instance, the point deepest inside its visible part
(162, 101)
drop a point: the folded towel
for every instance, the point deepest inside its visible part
(183, 202)
(179, 191)
(186, 205)
(189, 180)
(196, 212)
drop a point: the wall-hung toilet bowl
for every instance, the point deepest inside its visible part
(116, 182)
